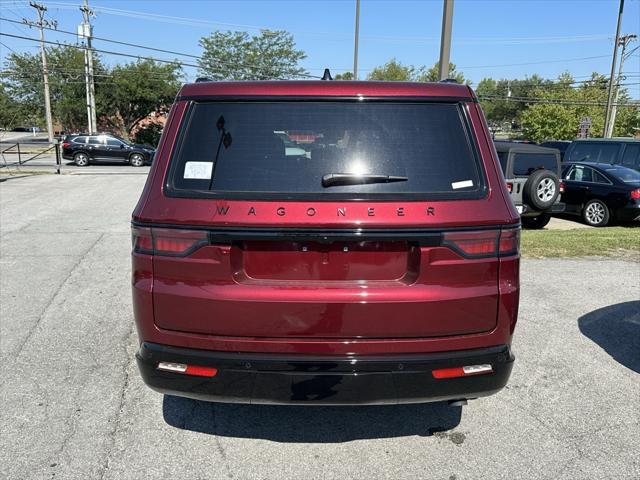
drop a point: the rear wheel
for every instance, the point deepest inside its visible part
(136, 160)
(596, 213)
(537, 222)
(81, 159)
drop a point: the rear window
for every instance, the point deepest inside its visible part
(627, 175)
(631, 156)
(284, 149)
(527, 163)
(594, 152)
(503, 157)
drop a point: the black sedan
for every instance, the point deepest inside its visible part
(83, 149)
(600, 192)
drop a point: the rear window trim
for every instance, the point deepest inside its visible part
(461, 103)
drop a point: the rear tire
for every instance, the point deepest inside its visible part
(81, 159)
(542, 189)
(136, 160)
(537, 222)
(596, 213)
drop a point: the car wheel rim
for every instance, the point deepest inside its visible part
(546, 189)
(81, 160)
(136, 160)
(595, 213)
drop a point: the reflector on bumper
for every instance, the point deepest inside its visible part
(196, 370)
(465, 371)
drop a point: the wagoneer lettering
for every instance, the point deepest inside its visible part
(310, 266)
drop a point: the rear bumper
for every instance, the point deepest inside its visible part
(628, 214)
(324, 380)
(525, 209)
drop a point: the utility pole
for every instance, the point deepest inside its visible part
(624, 41)
(85, 33)
(355, 43)
(445, 40)
(607, 115)
(41, 23)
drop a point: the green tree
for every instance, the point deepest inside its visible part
(149, 134)
(24, 84)
(501, 99)
(344, 76)
(11, 112)
(431, 74)
(393, 71)
(138, 90)
(233, 55)
(555, 113)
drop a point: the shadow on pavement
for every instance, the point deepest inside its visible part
(293, 424)
(616, 329)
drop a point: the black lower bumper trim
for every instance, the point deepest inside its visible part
(345, 380)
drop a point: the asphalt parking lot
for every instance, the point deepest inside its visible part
(74, 406)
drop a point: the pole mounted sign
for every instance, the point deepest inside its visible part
(585, 125)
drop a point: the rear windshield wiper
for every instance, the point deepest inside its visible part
(336, 179)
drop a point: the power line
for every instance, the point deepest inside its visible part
(557, 101)
(312, 76)
(108, 52)
(340, 35)
(534, 63)
(143, 57)
(102, 39)
(7, 47)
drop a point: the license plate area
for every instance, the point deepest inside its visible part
(349, 261)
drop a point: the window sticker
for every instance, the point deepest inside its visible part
(198, 170)
(462, 184)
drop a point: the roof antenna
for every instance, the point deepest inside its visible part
(327, 75)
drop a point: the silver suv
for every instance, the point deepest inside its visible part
(533, 176)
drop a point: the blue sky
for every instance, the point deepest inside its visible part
(499, 38)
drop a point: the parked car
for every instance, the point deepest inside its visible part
(381, 268)
(560, 145)
(614, 151)
(532, 174)
(601, 192)
(84, 149)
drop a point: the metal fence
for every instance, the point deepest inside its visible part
(22, 153)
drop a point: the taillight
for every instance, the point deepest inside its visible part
(66, 144)
(635, 194)
(483, 243)
(167, 241)
(561, 188)
(172, 241)
(141, 240)
(509, 242)
(510, 187)
(473, 244)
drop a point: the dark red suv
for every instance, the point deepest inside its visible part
(325, 242)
